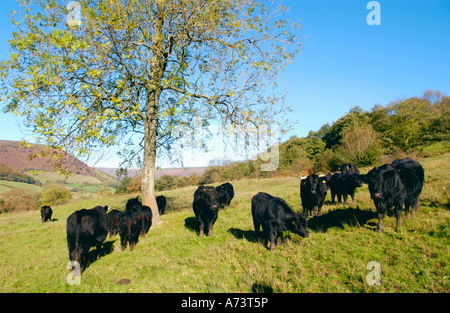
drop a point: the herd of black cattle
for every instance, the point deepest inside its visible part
(391, 185)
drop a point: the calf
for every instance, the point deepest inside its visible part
(276, 216)
(161, 202)
(46, 213)
(343, 185)
(114, 218)
(225, 193)
(85, 229)
(395, 185)
(206, 208)
(313, 190)
(129, 229)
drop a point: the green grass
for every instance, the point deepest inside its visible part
(6, 186)
(172, 258)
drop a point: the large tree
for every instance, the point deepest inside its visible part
(91, 74)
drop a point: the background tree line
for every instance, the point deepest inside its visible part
(415, 125)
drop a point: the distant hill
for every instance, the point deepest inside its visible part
(9, 174)
(15, 157)
(180, 172)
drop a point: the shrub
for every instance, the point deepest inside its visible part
(104, 192)
(18, 200)
(123, 187)
(360, 145)
(55, 194)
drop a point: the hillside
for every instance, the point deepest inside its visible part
(15, 157)
(172, 258)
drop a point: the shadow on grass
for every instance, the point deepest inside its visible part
(107, 248)
(191, 224)
(261, 288)
(248, 235)
(353, 217)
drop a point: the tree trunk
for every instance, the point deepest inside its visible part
(151, 117)
(148, 167)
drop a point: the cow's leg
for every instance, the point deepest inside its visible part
(398, 214)
(380, 222)
(407, 210)
(272, 240)
(201, 227)
(210, 229)
(319, 212)
(345, 198)
(272, 237)
(257, 228)
(314, 210)
(279, 238)
(339, 196)
(97, 250)
(414, 206)
(123, 243)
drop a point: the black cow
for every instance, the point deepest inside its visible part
(161, 202)
(349, 169)
(114, 218)
(130, 228)
(225, 192)
(144, 214)
(132, 202)
(395, 185)
(46, 213)
(85, 229)
(343, 185)
(275, 216)
(206, 208)
(313, 190)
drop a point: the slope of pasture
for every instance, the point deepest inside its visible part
(172, 258)
(6, 186)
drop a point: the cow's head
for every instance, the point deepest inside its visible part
(382, 182)
(298, 225)
(313, 184)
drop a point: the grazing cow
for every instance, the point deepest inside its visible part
(275, 216)
(206, 208)
(225, 192)
(85, 229)
(46, 213)
(129, 229)
(161, 202)
(114, 217)
(344, 185)
(392, 185)
(313, 190)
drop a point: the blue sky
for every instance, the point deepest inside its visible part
(344, 62)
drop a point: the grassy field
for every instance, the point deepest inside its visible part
(6, 186)
(172, 258)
